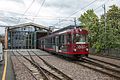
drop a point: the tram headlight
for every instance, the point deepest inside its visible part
(87, 49)
(74, 49)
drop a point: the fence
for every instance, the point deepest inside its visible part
(108, 52)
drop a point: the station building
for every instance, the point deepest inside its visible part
(24, 36)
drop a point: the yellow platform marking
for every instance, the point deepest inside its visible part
(5, 66)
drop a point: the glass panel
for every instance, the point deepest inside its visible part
(69, 39)
(80, 38)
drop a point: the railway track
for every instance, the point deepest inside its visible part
(114, 65)
(101, 66)
(109, 69)
(51, 68)
(49, 73)
(111, 57)
(30, 71)
(46, 75)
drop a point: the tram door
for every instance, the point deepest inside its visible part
(56, 42)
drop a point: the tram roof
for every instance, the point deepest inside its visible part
(66, 28)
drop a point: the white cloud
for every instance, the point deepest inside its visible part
(2, 29)
(9, 5)
(11, 10)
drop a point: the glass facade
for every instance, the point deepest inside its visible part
(23, 38)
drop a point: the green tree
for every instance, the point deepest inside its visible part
(113, 17)
(97, 37)
(113, 27)
(91, 22)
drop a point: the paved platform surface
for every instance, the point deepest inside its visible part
(8, 73)
(1, 69)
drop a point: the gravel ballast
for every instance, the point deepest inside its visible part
(20, 71)
(113, 61)
(75, 71)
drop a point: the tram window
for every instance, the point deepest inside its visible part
(53, 40)
(65, 38)
(80, 38)
(50, 40)
(59, 39)
(47, 40)
(62, 39)
(68, 38)
(42, 42)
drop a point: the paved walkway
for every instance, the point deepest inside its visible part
(1, 69)
(8, 73)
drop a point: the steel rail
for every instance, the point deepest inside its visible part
(53, 68)
(24, 65)
(96, 69)
(101, 65)
(36, 65)
(46, 71)
(111, 57)
(104, 62)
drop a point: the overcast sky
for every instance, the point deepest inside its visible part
(14, 12)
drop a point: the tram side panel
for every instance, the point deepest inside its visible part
(73, 43)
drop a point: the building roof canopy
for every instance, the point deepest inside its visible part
(27, 25)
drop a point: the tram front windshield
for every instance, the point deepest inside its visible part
(80, 38)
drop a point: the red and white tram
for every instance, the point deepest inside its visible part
(70, 42)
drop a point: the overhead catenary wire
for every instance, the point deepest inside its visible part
(60, 20)
(84, 8)
(42, 17)
(77, 11)
(98, 7)
(39, 17)
(101, 6)
(26, 10)
(39, 9)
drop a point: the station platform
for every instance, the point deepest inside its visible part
(1, 69)
(6, 68)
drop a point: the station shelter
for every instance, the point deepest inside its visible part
(24, 36)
